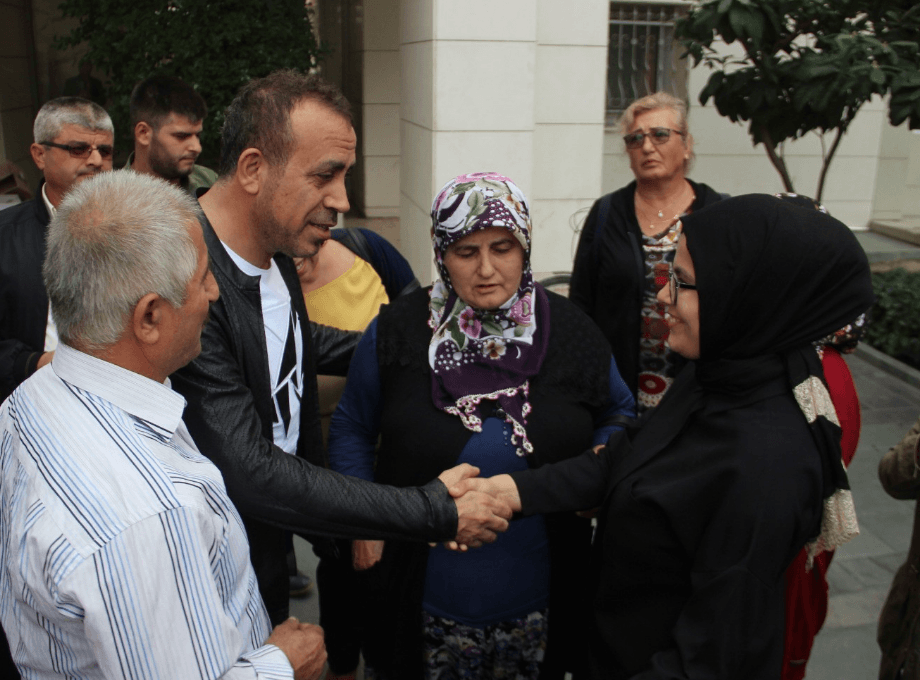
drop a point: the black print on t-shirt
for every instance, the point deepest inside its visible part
(290, 380)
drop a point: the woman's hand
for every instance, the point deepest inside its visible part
(365, 554)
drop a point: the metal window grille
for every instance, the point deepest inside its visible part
(642, 56)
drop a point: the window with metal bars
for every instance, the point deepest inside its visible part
(642, 56)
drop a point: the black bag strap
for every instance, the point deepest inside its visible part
(603, 212)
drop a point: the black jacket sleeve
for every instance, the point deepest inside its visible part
(334, 348)
(17, 362)
(284, 490)
(577, 483)
(23, 302)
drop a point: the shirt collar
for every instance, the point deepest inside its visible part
(142, 397)
(51, 209)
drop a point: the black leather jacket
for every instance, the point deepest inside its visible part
(23, 301)
(229, 414)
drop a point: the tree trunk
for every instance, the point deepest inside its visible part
(776, 160)
(827, 161)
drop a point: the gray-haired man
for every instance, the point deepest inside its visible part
(122, 555)
(73, 141)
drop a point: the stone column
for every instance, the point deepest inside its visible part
(516, 87)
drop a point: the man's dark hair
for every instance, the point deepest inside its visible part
(154, 98)
(259, 116)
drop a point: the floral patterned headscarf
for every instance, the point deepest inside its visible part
(481, 360)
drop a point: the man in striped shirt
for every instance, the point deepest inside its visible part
(121, 555)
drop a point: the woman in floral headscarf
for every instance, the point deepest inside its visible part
(485, 367)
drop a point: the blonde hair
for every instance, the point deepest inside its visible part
(654, 102)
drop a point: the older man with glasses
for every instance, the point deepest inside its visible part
(73, 141)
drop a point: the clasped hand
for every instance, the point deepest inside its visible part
(484, 505)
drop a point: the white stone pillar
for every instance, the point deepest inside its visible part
(467, 103)
(516, 87)
(380, 108)
(910, 194)
(569, 111)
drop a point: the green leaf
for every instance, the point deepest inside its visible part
(130, 41)
(876, 76)
(462, 188)
(713, 86)
(491, 327)
(459, 337)
(746, 23)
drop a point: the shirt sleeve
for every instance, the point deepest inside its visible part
(355, 425)
(621, 404)
(152, 606)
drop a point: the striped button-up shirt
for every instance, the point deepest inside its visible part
(121, 555)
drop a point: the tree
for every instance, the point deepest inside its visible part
(215, 47)
(808, 66)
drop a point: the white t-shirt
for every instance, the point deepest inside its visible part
(51, 335)
(285, 350)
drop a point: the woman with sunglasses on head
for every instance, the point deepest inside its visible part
(739, 466)
(628, 242)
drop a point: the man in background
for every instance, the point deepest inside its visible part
(73, 140)
(167, 116)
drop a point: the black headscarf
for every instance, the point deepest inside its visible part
(772, 278)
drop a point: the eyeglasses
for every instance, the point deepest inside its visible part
(658, 135)
(83, 150)
(674, 285)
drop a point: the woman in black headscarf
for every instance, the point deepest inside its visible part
(738, 468)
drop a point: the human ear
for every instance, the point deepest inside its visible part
(251, 170)
(147, 319)
(143, 133)
(38, 155)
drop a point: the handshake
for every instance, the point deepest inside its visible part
(484, 505)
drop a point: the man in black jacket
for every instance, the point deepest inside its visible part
(286, 147)
(73, 141)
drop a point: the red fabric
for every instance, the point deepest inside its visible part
(806, 591)
(846, 401)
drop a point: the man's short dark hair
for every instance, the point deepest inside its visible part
(154, 98)
(259, 117)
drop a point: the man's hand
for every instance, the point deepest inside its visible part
(365, 554)
(304, 645)
(500, 487)
(479, 515)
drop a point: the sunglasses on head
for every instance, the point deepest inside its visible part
(658, 135)
(83, 150)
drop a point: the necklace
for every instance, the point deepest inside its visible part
(651, 211)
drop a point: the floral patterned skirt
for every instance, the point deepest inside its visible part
(508, 650)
